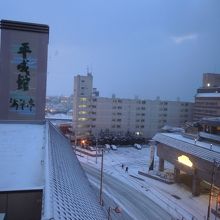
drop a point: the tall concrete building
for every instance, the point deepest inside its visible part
(207, 99)
(23, 67)
(93, 114)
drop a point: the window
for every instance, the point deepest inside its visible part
(82, 106)
(82, 119)
(83, 99)
(82, 112)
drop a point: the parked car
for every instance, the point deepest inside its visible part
(107, 147)
(138, 146)
(113, 147)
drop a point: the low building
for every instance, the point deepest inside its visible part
(198, 157)
(41, 177)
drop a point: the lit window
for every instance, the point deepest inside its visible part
(82, 112)
(83, 119)
(83, 99)
(82, 106)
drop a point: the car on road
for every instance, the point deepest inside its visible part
(138, 146)
(113, 147)
(107, 147)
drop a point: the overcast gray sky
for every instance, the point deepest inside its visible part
(147, 48)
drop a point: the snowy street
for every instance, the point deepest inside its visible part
(136, 203)
(176, 199)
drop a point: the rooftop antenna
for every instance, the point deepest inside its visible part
(87, 69)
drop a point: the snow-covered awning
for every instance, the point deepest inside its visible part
(197, 148)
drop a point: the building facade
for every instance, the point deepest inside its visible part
(207, 99)
(93, 114)
(23, 68)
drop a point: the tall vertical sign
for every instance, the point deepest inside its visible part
(23, 67)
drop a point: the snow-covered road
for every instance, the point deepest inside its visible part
(175, 199)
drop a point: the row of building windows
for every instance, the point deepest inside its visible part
(117, 101)
(163, 103)
(163, 109)
(139, 126)
(117, 107)
(184, 110)
(86, 112)
(141, 102)
(140, 114)
(207, 102)
(205, 111)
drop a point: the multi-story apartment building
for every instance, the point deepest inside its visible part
(93, 114)
(207, 99)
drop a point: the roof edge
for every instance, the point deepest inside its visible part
(24, 26)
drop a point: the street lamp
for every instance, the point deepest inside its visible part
(101, 182)
(210, 192)
(96, 143)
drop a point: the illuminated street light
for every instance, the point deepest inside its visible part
(83, 142)
(185, 160)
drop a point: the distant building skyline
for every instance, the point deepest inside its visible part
(93, 114)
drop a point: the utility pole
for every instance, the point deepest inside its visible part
(101, 181)
(96, 140)
(109, 213)
(210, 193)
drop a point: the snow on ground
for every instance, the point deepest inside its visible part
(21, 156)
(184, 205)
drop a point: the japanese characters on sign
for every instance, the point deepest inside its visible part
(21, 98)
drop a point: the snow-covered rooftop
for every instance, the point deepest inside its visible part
(21, 156)
(37, 156)
(199, 149)
(68, 194)
(208, 95)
